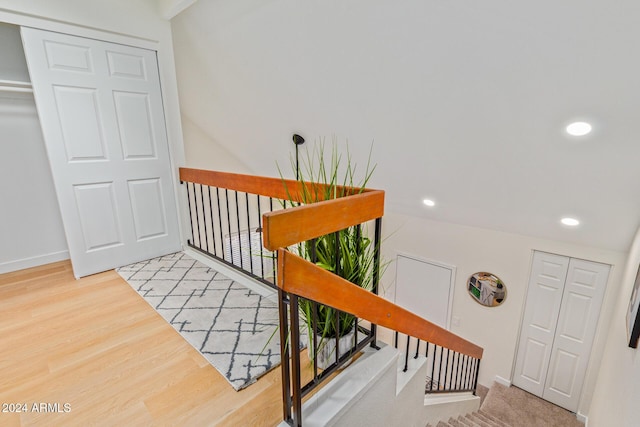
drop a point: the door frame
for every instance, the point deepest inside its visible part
(452, 283)
(589, 381)
(168, 90)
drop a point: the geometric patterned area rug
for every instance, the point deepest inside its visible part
(233, 327)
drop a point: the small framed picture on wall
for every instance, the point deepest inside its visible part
(633, 314)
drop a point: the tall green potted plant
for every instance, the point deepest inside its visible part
(349, 253)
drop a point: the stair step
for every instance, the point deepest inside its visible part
(477, 420)
(474, 419)
(495, 420)
(465, 421)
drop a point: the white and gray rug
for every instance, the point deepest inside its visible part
(232, 326)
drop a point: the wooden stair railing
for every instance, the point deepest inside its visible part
(211, 197)
(300, 277)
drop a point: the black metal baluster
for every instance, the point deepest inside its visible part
(475, 381)
(458, 371)
(195, 201)
(226, 199)
(259, 229)
(204, 219)
(337, 315)
(446, 368)
(284, 351)
(440, 368)
(220, 221)
(246, 197)
(406, 355)
(190, 216)
(314, 329)
(433, 365)
(376, 271)
(273, 260)
(396, 340)
(239, 233)
(417, 348)
(295, 360)
(213, 225)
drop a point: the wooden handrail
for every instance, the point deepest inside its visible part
(290, 226)
(279, 188)
(297, 224)
(300, 277)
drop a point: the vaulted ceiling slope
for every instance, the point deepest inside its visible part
(465, 101)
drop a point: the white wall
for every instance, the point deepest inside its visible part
(30, 223)
(508, 256)
(202, 152)
(617, 393)
(139, 23)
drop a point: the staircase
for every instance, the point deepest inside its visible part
(475, 419)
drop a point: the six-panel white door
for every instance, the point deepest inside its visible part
(101, 113)
(581, 302)
(560, 319)
(544, 297)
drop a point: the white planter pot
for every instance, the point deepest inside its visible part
(327, 349)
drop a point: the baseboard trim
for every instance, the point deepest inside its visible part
(233, 274)
(583, 418)
(502, 381)
(21, 264)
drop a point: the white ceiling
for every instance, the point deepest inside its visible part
(465, 101)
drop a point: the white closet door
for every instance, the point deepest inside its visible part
(102, 118)
(544, 298)
(560, 319)
(581, 302)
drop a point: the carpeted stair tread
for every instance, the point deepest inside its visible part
(465, 421)
(455, 423)
(478, 421)
(443, 424)
(493, 419)
(517, 408)
(482, 417)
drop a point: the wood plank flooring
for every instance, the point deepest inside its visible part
(96, 346)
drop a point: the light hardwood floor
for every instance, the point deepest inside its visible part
(95, 345)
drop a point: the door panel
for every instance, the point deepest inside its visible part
(147, 208)
(583, 295)
(98, 215)
(424, 288)
(544, 297)
(101, 112)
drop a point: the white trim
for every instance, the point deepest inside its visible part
(233, 274)
(175, 7)
(502, 381)
(21, 264)
(15, 86)
(452, 283)
(43, 23)
(583, 418)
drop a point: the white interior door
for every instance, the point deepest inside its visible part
(102, 118)
(560, 319)
(581, 302)
(425, 288)
(544, 298)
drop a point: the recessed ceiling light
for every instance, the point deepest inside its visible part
(578, 128)
(572, 222)
(429, 202)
